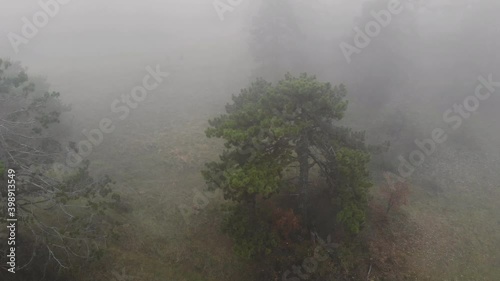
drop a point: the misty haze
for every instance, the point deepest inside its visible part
(263, 140)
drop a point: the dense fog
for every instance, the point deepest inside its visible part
(421, 79)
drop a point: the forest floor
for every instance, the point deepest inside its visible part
(455, 233)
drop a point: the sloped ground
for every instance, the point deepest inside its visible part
(457, 218)
(155, 172)
(450, 231)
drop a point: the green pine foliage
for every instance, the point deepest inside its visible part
(269, 131)
(252, 234)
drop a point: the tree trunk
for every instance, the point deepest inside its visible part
(250, 204)
(302, 151)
